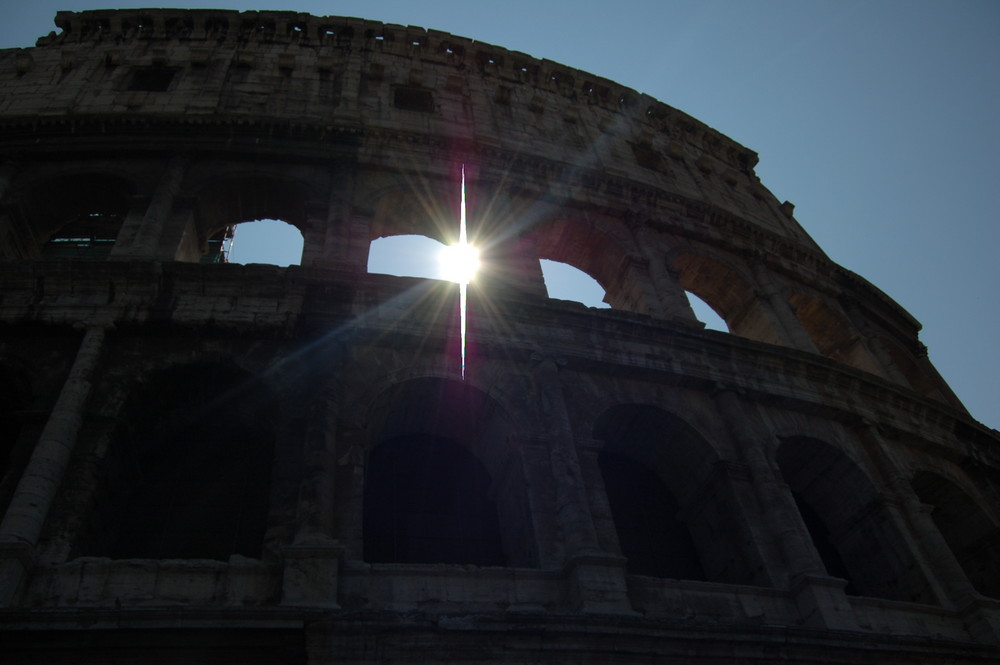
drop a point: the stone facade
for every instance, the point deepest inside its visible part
(220, 463)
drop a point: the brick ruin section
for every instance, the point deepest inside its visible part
(218, 461)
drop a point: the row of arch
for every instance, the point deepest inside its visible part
(191, 468)
(97, 216)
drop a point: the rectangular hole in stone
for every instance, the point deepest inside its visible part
(152, 79)
(413, 99)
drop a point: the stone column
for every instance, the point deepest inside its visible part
(632, 289)
(314, 513)
(874, 347)
(509, 256)
(669, 291)
(596, 578)
(512, 264)
(131, 227)
(788, 322)
(180, 239)
(820, 598)
(311, 562)
(33, 498)
(571, 498)
(147, 240)
(339, 232)
(350, 491)
(600, 507)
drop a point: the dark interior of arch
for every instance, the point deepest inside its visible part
(666, 455)
(651, 537)
(459, 433)
(660, 441)
(427, 501)
(10, 426)
(253, 197)
(81, 216)
(851, 529)
(823, 542)
(972, 536)
(189, 474)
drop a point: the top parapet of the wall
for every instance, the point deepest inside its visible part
(249, 29)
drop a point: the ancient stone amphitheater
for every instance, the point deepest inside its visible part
(206, 462)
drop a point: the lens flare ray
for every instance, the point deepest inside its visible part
(463, 286)
(458, 263)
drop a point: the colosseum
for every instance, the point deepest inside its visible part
(205, 462)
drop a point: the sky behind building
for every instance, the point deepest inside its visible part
(876, 119)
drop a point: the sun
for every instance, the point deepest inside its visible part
(459, 262)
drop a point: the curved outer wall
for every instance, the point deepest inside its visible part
(210, 460)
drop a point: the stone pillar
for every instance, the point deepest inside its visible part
(311, 562)
(874, 347)
(820, 598)
(944, 572)
(131, 227)
(596, 578)
(669, 292)
(314, 514)
(783, 315)
(600, 507)
(724, 500)
(338, 234)
(350, 491)
(180, 239)
(632, 289)
(511, 264)
(509, 256)
(147, 240)
(884, 360)
(571, 498)
(32, 500)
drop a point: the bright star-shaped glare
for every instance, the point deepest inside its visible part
(458, 263)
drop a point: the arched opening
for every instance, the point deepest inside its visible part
(442, 482)
(651, 537)
(405, 256)
(730, 302)
(270, 241)
(565, 282)
(851, 529)
(973, 538)
(77, 217)
(704, 313)
(88, 237)
(189, 472)
(427, 501)
(832, 334)
(251, 219)
(599, 256)
(823, 542)
(675, 515)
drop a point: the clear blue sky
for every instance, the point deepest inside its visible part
(878, 119)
